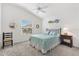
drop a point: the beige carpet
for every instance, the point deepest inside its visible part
(24, 49)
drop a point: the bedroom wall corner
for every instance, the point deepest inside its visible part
(0, 24)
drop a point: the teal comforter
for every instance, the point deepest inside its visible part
(44, 41)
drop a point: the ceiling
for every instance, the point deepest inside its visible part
(32, 7)
(52, 10)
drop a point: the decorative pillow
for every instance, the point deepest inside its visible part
(54, 33)
(49, 32)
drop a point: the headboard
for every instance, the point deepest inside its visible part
(54, 30)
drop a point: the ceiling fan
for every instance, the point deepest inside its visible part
(41, 7)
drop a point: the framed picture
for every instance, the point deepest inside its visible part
(12, 25)
(26, 26)
(37, 26)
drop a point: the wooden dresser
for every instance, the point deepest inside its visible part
(66, 40)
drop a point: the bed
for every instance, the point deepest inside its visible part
(45, 41)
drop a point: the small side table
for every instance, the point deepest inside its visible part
(65, 38)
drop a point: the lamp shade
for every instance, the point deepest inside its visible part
(65, 30)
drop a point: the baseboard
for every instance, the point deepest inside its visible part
(14, 43)
(19, 42)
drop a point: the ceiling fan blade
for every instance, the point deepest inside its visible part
(43, 11)
(42, 6)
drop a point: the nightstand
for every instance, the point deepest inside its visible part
(66, 40)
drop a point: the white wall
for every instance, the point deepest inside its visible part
(0, 26)
(69, 14)
(51, 25)
(13, 13)
(0, 18)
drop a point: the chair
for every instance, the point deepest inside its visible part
(7, 37)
